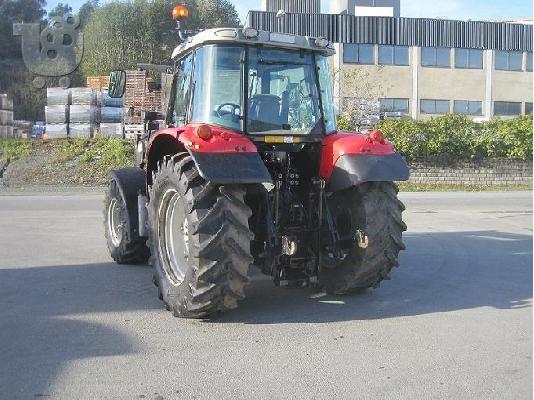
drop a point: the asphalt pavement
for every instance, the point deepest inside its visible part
(455, 321)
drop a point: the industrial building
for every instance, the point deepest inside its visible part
(420, 67)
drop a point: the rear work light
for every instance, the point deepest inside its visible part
(251, 33)
(204, 132)
(322, 42)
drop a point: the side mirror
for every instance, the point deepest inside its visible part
(117, 83)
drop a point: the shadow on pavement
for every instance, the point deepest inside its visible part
(44, 321)
(439, 272)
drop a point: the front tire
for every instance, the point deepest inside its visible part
(122, 248)
(199, 240)
(370, 210)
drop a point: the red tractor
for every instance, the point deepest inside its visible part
(247, 169)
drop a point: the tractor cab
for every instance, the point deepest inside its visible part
(257, 83)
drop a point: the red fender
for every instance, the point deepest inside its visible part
(227, 157)
(351, 143)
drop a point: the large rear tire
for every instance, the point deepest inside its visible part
(199, 240)
(122, 248)
(371, 213)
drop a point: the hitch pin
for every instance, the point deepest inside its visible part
(362, 239)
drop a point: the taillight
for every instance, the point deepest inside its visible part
(204, 132)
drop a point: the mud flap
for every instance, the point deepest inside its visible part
(231, 168)
(131, 183)
(352, 170)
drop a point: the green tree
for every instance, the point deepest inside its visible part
(60, 10)
(86, 11)
(121, 34)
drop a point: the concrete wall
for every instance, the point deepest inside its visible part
(489, 172)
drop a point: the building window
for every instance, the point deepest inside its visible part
(394, 105)
(435, 57)
(435, 106)
(508, 60)
(468, 58)
(506, 108)
(529, 61)
(393, 55)
(528, 108)
(359, 53)
(468, 107)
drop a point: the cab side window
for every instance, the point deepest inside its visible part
(182, 82)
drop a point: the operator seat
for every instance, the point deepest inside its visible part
(265, 107)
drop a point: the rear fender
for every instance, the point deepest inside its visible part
(131, 184)
(226, 158)
(350, 159)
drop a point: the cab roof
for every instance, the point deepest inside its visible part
(243, 36)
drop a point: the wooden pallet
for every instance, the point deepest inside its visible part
(138, 98)
(98, 82)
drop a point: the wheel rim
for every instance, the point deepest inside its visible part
(115, 222)
(173, 233)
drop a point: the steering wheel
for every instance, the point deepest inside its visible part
(222, 112)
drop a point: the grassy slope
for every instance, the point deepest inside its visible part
(63, 162)
(88, 162)
(14, 149)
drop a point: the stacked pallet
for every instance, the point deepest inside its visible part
(134, 97)
(83, 112)
(98, 83)
(57, 112)
(138, 98)
(6, 117)
(22, 129)
(111, 116)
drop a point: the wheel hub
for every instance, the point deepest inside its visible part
(115, 225)
(173, 234)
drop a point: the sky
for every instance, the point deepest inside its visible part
(452, 9)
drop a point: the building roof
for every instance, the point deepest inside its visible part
(424, 32)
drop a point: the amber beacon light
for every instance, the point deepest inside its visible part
(180, 12)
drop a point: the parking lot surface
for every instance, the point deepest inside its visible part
(455, 321)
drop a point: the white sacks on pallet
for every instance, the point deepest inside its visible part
(111, 102)
(111, 130)
(112, 114)
(57, 131)
(85, 96)
(57, 96)
(6, 132)
(57, 114)
(5, 102)
(6, 117)
(85, 114)
(80, 131)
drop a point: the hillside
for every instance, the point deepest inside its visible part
(77, 162)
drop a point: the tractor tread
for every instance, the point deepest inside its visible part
(220, 242)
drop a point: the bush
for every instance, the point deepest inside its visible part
(454, 137)
(12, 149)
